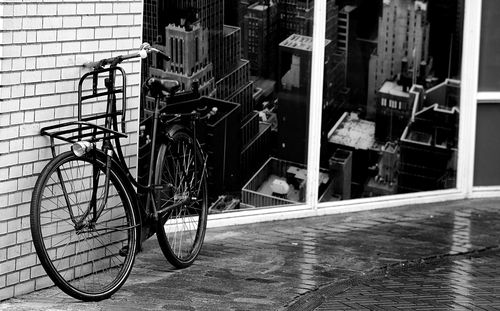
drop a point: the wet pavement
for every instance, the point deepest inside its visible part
(438, 256)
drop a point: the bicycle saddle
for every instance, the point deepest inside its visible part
(157, 86)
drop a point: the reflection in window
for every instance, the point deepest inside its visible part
(253, 59)
(395, 129)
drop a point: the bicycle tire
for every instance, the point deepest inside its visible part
(181, 230)
(83, 259)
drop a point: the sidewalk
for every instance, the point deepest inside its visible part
(322, 263)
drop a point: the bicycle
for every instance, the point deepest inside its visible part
(87, 222)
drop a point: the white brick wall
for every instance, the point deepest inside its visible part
(42, 45)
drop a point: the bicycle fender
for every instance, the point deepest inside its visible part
(128, 187)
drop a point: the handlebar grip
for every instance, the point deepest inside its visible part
(92, 65)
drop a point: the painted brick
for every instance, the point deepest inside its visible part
(29, 90)
(10, 158)
(72, 21)
(43, 282)
(52, 22)
(37, 271)
(8, 240)
(47, 9)
(28, 156)
(85, 8)
(14, 225)
(104, 33)
(9, 132)
(29, 130)
(15, 171)
(20, 10)
(90, 21)
(65, 86)
(46, 35)
(66, 9)
(31, 76)
(122, 7)
(85, 33)
(50, 101)
(125, 20)
(8, 186)
(30, 63)
(4, 173)
(70, 73)
(14, 199)
(12, 278)
(51, 48)
(44, 154)
(26, 183)
(19, 37)
(65, 61)
(31, 9)
(106, 45)
(24, 210)
(71, 47)
(23, 288)
(32, 23)
(12, 23)
(25, 236)
(28, 168)
(31, 36)
(30, 103)
(25, 275)
(17, 91)
(108, 20)
(89, 46)
(105, 8)
(6, 292)
(66, 34)
(45, 88)
(29, 116)
(45, 62)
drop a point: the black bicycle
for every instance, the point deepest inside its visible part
(87, 216)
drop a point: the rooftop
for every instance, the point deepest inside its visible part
(300, 42)
(392, 88)
(353, 132)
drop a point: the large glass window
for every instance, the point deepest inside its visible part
(252, 60)
(391, 101)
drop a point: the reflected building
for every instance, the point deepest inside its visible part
(402, 46)
(429, 142)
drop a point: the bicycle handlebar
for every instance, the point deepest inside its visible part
(143, 52)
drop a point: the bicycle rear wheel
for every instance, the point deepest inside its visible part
(181, 228)
(83, 257)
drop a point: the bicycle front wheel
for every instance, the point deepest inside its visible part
(182, 201)
(86, 254)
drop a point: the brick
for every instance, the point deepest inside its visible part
(4, 174)
(29, 116)
(45, 88)
(28, 156)
(31, 9)
(20, 10)
(72, 21)
(37, 271)
(89, 46)
(120, 32)
(8, 186)
(26, 183)
(23, 288)
(66, 34)
(107, 45)
(12, 23)
(12, 51)
(90, 21)
(15, 172)
(105, 8)
(108, 20)
(30, 103)
(31, 36)
(10, 158)
(85, 8)
(31, 49)
(19, 37)
(64, 112)
(71, 47)
(31, 76)
(65, 60)
(123, 7)
(51, 48)
(32, 22)
(7, 240)
(65, 86)
(29, 90)
(45, 62)
(6, 292)
(125, 19)
(70, 73)
(85, 33)
(28, 168)
(28, 261)
(43, 282)
(30, 63)
(46, 35)
(29, 130)
(9, 132)
(52, 22)
(104, 33)
(66, 9)
(46, 9)
(17, 91)
(14, 225)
